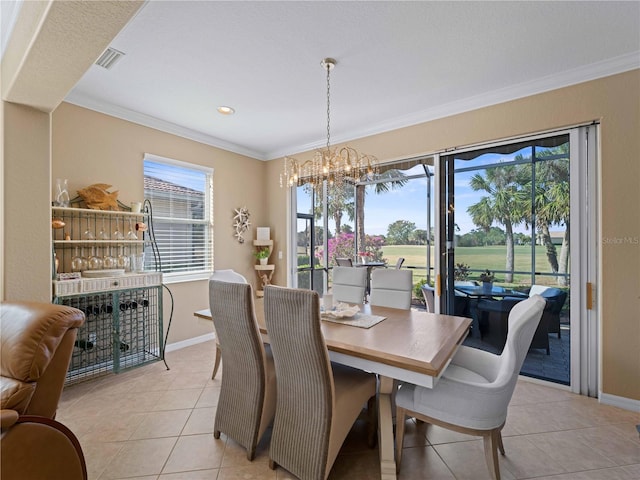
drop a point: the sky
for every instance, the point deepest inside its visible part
(410, 202)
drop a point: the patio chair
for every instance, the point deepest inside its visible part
(497, 324)
(344, 262)
(555, 298)
(399, 263)
(474, 392)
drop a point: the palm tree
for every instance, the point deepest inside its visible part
(394, 180)
(554, 207)
(506, 204)
(339, 203)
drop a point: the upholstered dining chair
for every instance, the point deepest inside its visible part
(318, 401)
(474, 391)
(227, 275)
(391, 288)
(349, 284)
(344, 262)
(248, 393)
(37, 341)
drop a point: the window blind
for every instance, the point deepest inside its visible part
(181, 201)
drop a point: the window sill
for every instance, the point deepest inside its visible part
(169, 278)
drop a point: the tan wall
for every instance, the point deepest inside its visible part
(109, 150)
(27, 218)
(89, 147)
(615, 101)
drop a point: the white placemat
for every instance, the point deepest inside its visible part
(361, 320)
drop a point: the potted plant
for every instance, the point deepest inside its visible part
(262, 254)
(487, 279)
(365, 256)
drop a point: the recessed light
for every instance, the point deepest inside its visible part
(224, 110)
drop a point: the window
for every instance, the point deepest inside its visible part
(181, 196)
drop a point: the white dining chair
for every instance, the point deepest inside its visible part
(474, 391)
(391, 288)
(428, 292)
(230, 276)
(349, 284)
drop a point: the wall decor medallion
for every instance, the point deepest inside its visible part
(241, 222)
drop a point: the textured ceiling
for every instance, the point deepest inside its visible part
(399, 63)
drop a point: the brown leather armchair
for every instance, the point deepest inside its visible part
(36, 343)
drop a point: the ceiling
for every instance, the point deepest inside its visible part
(398, 64)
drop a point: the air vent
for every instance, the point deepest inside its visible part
(109, 57)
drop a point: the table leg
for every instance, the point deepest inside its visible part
(385, 429)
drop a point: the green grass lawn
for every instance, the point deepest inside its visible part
(478, 258)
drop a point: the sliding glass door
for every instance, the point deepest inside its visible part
(507, 213)
(520, 212)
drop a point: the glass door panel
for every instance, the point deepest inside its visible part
(507, 220)
(309, 242)
(394, 215)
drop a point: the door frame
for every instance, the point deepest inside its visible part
(584, 154)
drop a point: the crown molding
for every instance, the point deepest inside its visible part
(90, 103)
(612, 66)
(575, 76)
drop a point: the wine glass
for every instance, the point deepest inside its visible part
(109, 261)
(95, 262)
(117, 234)
(78, 262)
(123, 259)
(88, 234)
(102, 234)
(131, 234)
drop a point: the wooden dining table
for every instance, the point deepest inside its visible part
(408, 345)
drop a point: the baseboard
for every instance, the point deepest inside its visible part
(189, 342)
(620, 402)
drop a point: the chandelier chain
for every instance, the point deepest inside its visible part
(328, 107)
(333, 168)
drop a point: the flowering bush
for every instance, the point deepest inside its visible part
(343, 246)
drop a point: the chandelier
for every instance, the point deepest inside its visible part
(335, 166)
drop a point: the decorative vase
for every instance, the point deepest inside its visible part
(263, 261)
(487, 287)
(62, 193)
(363, 259)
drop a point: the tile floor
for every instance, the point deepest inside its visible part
(153, 424)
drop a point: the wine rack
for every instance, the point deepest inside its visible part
(123, 329)
(122, 304)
